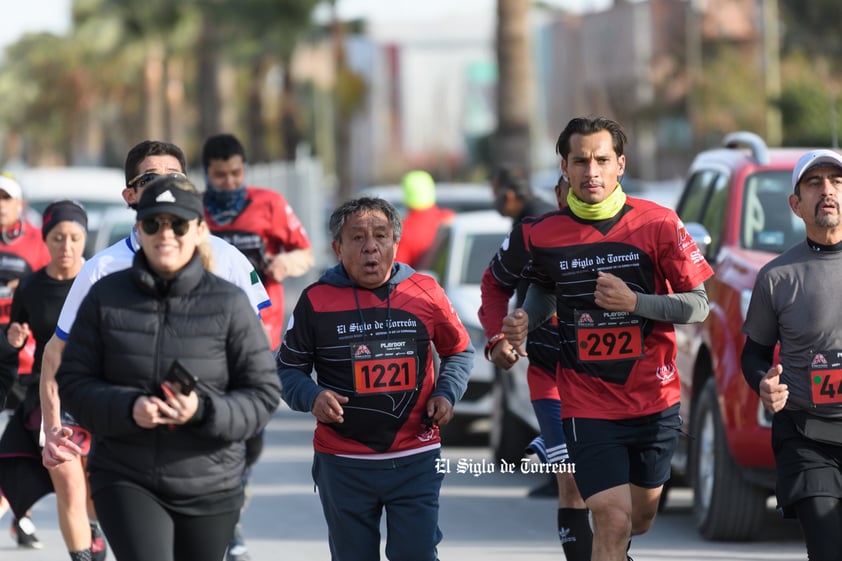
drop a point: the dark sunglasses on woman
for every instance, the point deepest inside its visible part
(152, 226)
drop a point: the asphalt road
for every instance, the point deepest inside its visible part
(484, 516)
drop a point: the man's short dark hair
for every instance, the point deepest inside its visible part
(510, 177)
(587, 126)
(364, 204)
(146, 148)
(221, 147)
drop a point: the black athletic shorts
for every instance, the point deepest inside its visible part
(612, 453)
(804, 467)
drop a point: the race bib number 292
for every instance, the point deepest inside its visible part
(606, 336)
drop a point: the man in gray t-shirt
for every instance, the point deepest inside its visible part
(793, 303)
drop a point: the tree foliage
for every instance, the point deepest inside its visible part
(812, 26)
(811, 52)
(182, 69)
(134, 65)
(740, 93)
(811, 109)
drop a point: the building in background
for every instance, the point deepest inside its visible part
(431, 84)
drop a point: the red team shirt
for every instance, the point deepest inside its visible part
(419, 232)
(603, 371)
(20, 256)
(338, 331)
(266, 225)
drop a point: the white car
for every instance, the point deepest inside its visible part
(462, 252)
(114, 225)
(99, 189)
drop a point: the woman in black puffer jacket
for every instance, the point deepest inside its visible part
(166, 467)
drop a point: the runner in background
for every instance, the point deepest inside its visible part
(257, 221)
(513, 197)
(22, 251)
(34, 313)
(423, 217)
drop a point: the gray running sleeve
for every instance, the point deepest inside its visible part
(683, 307)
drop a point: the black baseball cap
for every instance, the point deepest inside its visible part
(170, 195)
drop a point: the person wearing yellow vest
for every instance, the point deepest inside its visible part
(423, 217)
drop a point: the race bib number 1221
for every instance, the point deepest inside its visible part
(385, 367)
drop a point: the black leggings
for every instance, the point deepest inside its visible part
(139, 528)
(820, 519)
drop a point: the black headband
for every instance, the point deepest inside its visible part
(61, 211)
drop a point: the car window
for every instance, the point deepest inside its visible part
(715, 212)
(768, 224)
(691, 208)
(479, 249)
(469, 205)
(110, 233)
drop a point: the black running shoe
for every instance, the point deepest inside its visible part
(24, 531)
(99, 549)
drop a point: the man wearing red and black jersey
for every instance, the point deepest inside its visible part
(513, 197)
(257, 221)
(621, 271)
(367, 328)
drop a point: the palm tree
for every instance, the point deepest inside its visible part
(514, 90)
(258, 35)
(145, 59)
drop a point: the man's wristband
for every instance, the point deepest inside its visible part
(492, 342)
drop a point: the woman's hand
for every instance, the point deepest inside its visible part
(177, 409)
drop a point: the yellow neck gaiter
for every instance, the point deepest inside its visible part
(607, 208)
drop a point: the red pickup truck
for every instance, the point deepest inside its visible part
(734, 204)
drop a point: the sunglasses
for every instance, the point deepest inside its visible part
(144, 178)
(152, 226)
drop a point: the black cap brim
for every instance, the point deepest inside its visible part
(171, 209)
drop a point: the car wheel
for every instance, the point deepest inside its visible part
(508, 435)
(725, 506)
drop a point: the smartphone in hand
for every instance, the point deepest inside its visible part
(180, 379)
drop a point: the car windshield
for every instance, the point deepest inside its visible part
(479, 249)
(768, 222)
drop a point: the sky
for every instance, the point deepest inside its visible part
(54, 15)
(397, 10)
(407, 10)
(35, 16)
